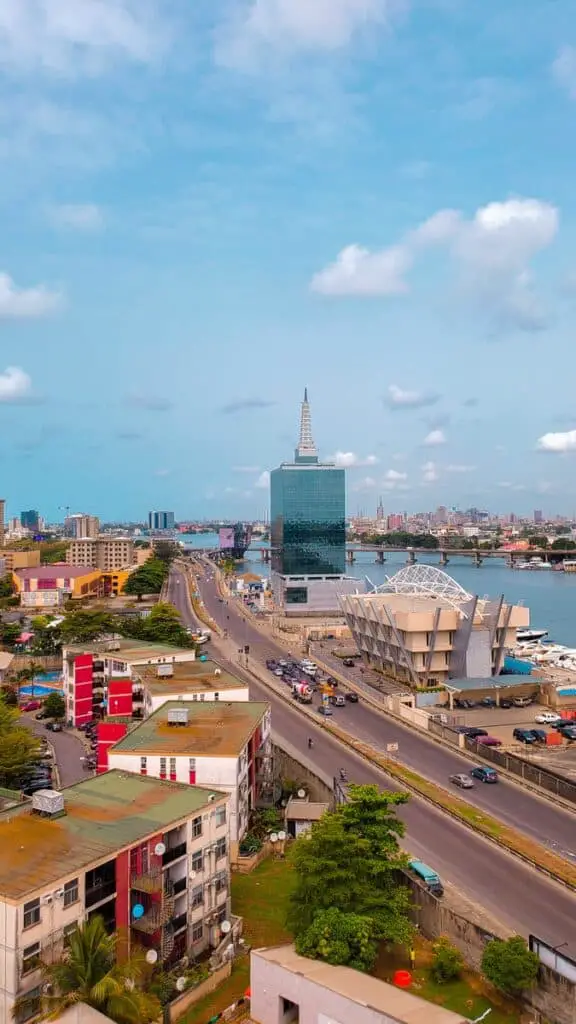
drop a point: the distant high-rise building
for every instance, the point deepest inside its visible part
(2, 519)
(380, 510)
(82, 526)
(30, 519)
(308, 528)
(441, 514)
(395, 522)
(160, 520)
(538, 517)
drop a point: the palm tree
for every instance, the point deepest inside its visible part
(89, 973)
(27, 675)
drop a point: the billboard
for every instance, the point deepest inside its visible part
(226, 538)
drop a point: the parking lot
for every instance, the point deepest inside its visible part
(501, 722)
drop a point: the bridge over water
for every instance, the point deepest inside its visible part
(444, 554)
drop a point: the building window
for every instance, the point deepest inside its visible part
(143, 766)
(221, 848)
(296, 595)
(71, 892)
(197, 931)
(216, 696)
(221, 882)
(172, 769)
(197, 897)
(222, 915)
(162, 767)
(220, 816)
(202, 696)
(198, 861)
(31, 913)
(68, 931)
(30, 958)
(196, 827)
(31, 1007)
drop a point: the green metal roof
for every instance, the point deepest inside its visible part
(103, 815)
(215, 729)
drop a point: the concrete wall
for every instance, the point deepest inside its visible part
(179, 1006)
(290, 764)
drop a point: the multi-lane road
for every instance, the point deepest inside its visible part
(521, 898)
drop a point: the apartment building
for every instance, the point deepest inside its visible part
(81, 525)
(197, 680)
(211, 743)
(106, 669)
(106, 553)
(423, 629)
(14, 560)
(150, 857)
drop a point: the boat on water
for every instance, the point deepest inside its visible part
(535, 563)
(526, 635)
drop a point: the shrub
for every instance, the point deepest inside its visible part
(510, 965)
(448, 962)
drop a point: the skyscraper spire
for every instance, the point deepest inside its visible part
(306, 450)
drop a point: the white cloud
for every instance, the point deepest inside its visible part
(263, 30)
(492, 253)
(78, 36)
(357, 271)
(508, 485)
(347, 460)
(21, 303)
(367, 483)
(397, 398)
(564, 70)
(263, 481)
(561, 442)
(79, 216)
(434, 439)
(394, 481)
(429, 473)
(459, 468)
(14, 384)
(394, 475)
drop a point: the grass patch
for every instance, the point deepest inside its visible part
(261, 898)
(482, 823)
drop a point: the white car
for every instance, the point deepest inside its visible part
(548, 718)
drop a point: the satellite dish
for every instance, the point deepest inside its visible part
(160, 849)
(151, 956)
(301, 794)
(181, 984)
(192, 875)
(281, 836)
(274, 837)
(137, 911)
(225, 927)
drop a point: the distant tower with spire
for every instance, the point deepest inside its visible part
(308, 528)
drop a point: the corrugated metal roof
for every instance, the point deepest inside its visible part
(215, 729)
(490, 683)
(104, 814)
(56, 571)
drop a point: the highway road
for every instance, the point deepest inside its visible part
(516, 895)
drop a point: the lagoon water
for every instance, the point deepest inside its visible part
(550, 596)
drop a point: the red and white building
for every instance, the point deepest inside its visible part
(210, 743)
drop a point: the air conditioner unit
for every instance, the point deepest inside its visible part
(47, 900)
(59, 893)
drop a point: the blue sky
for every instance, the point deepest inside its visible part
(206, 206)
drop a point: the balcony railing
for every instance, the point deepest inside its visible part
(179, 885)
(173, 854)
(147, 881)
(101, 891)
(179, 922)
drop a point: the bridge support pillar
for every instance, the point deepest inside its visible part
(380, 558)
(411, 559)
(444, 558)
(265, 554)
(477, 559)
(350, 557)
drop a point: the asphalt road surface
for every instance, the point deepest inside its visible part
(518, 896)
(68, 751)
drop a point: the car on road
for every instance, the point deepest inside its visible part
(278, 672)
(348, 662)
(474, 731)
(325, 710)
(271, 664)
(352, 697)
(490, 741)
(484, 774)
(547, 718)
(338, 700)
(54, 726)
(462, 781)
(32, 705)
(40, 715)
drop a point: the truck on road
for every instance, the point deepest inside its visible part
(302, 692)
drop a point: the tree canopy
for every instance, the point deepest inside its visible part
(19, 748)
(55, 706)
(86, 624)
(89, 973)
(350, 862)
(148, 579)
(509, 964)
(163, 626)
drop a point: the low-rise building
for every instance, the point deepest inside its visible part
(48, 586)
(14, 560)
(286, 988)
(423, 628)
(196, 680)
(211, 743)
(150, 857)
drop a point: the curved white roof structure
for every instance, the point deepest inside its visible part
(426, 581)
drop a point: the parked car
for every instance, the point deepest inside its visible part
(484, 774)
(524, 735)
(540, 735)
(474, 731)
(563, 723)
(352, 697)
(522, 702)
(462, 781)
(32, 705)
(547, 717)
(41, 715)
(348, 662)
(490, 741)
(271, 664)
(54, 726)
(488, 702)
(506, 702)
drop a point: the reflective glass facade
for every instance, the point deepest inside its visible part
(308, 520)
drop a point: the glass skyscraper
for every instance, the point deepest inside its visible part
(308, 513)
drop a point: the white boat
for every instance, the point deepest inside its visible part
(525, 635)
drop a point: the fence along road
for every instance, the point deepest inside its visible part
(522, 899)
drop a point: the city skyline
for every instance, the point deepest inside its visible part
(376, 195)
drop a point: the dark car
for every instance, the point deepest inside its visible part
(474, 731)
(539, 734)
(484, 774)
(352, 697)
(41, 715)
(488, 702)
(506, 703)
(524, 735)
(54, 726)
(564, 723)
(348, 662)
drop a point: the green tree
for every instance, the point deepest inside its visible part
(164, 626)
(55, 706)
(340, 939)
(539, 541)
(84, 625)
(148, 579)
(448, 961)
(90, 973)
(19, 748)
(9, 695)
(166, 551)
(26, 676)
(7, 588)
(563, 544)
(52, 551)
(350, 860)
(46, 641)
(510, 965)
(9, 633)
